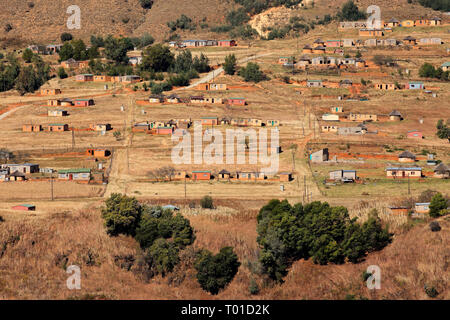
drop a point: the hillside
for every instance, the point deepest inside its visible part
(44, 21)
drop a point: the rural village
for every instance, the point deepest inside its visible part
(362, 123)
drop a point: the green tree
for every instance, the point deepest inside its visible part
(230, 64)
(27, 81)
(427, 71)
(66, 52)
(162, 256)
(157, 58)
(207, 202)
(438, 205)
(350, 12)
(146, 4)
(79, 50)
(66, 37)
(252, 73)
(62, 73)
(215, 272)
(122, 214)
(27, 55)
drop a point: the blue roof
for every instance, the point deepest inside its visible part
(422, 204)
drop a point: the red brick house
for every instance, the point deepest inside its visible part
(57, 127)
(164, 130)
(227, 43)
(31, 128)
(209, 121)
(237, 101)
(415, 134)
(201, 175)
(84, 102)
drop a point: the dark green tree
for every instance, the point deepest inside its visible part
(122, 214)
(438, 205)
(62, 73)
(157, 58)
(252, 73)
(230, 64)
(350, 12)
(27, 55)
(215, 272)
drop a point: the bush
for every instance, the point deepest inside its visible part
(253, 288)
(162, 257)
(326, 234)
(431, 291)
(27, 55)
(207, 202)
(215, 272)
(146, 4)
(350, 12)
(237, 17)
(252, 73)
(62, 73)
(157, 58)
(438, 206)
(230, 64)
(66, 37)
(435, 226)
(122, 214)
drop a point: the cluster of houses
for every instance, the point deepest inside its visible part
(320, 47)
(159, 98)
(392, 23)
(102, 78)
(441, 171)
(45, 50)
(207, 175)
(169, 127)
(305, 62)
(66, 102)
(202, 43)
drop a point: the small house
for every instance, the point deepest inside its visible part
(70, 64)
(343, 175)
(209, 121)
(398, 172)
(66, 102)
(27, 168)
(307, 49)
(333, 43)
(101, 127)
(57, 113)
(319, 156)
(409, 40)
(130, 79)
(395, 116)
(318, 43)
(358, 130)
(407, 23)
(157, 98)
(393, 23)
(226, 43)
(319, 50)
(442, 171)
(414, 134)
(330, 117)
(224, 175)
(173, 98)
(57, 127)
(329, 128)
(445, 66)
(201, 175)
(337, 109)
(84, 77)
(435, 21)
(102, 78)
(237, 101)
(273, 123)
(101, 153)
(50, 92)
(385, 86)
(24, 207)
(246, 176)
(348, 43)
(84, 102)
(285, 176)
(164, 130)
(362, 117)
(406, 156)
(80, 174)
(314, 83)
(399, 210)
(423, 207)
(414, 85)
(31, 128)
(54, 102)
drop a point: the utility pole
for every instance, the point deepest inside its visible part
(304, 189)
(409, 186)
(185, 194)
(73, 139)
(51, 184)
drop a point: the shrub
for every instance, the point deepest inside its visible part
(215, 272)
(66, 37)
(8, 27)
(252, 73)
(27, 55)
(438, 205)
(162, 256)
(253, 288)
(326, 234)
(121, 214)
(350, 12)
(435, 226)
(207, 202)
(146, 4)
(230, 64)
(62, 73)
(431, 291)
